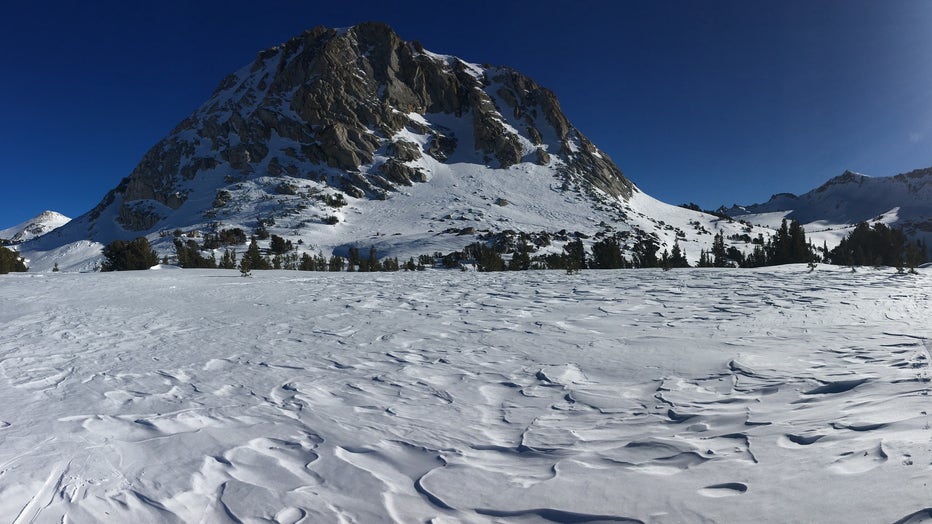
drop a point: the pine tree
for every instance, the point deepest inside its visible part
(372, 263)
(606, 254)
(128, 256)
(799, 248)
(576, 256)
(279, 246)
(719, 253)
(352, 259)
(253, 257)
(11, 262)
(228, 259)
(307, 263)
(677, 256)
(189, 255)
(485, 257)
(645, 252)
(914, 256)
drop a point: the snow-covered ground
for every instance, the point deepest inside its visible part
(771, 395)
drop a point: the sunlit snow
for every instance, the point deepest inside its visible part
(770, 395)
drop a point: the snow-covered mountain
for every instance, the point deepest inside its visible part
(32, 228)
(355, 137)
(831, 210)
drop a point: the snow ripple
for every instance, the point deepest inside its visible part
(615, 396)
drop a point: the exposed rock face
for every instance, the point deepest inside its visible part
(340, 106)
(33, 228)
(848, 177)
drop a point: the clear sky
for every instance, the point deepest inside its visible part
(714, 102)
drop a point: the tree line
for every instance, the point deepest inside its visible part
(876, 245)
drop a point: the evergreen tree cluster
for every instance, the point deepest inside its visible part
(787, 246)
(486, 258)
(129, 256)
(371, 263)
(279, 246)
(225, 237)
(512, 251)
(189, 255)
(878, 246)
(11, 262)
(605, 253)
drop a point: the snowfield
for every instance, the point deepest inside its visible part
(769, 395)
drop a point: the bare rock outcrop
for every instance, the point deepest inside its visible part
(335, 106)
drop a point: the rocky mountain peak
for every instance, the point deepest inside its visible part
(848, 177)
(33, 228)
(365, 113)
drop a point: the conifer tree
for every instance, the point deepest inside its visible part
(521, 258)
(189, 255)
(372, 263)
(11, 262)
(719, 253)
(645, 252)
(352, 259)
(606, 254)
(575, 255)
(253, 257)
(677, 256)
(307, 263)
(228, 259)
(128, 256)
(279, 246)
(799, 248)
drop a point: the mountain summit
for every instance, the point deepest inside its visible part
(33, 228)
(357, 110)
(344, 137)
(831, 210)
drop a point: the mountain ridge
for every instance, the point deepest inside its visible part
(313, 137)
(833, 208)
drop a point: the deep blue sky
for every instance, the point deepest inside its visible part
(713, 102)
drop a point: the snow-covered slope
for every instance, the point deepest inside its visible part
(32, 228)
(428, 152)
(830, 211)
(769, 395)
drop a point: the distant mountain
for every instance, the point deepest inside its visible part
(343, 137)
(33, 228)
(829, 211)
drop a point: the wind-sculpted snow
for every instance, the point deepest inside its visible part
(616, 396)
